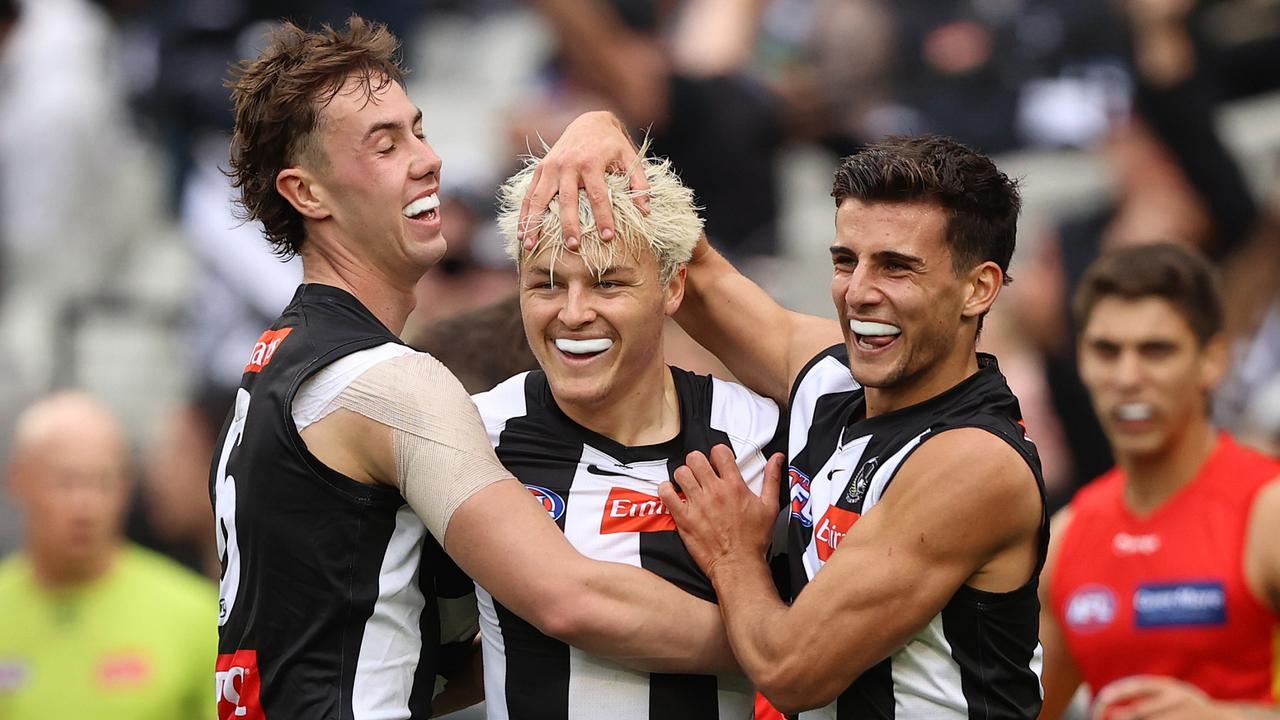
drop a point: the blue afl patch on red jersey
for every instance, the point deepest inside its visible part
(1090, 608)
(1186, 604)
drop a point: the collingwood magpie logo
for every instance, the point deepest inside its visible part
(858, 487)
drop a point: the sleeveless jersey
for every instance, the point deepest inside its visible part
(980, 657)
(328, 598)
(1166, 594)
(604, 497)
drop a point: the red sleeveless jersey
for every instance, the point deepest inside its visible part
(1166, 594)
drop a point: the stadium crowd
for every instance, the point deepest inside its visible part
(131, 294)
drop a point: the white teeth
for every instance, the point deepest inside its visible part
(421, 205)
(867, 327)
(1134, 411)
(583, 347)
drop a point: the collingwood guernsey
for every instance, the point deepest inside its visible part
(332, 591)
(604, 496)
(980, 656)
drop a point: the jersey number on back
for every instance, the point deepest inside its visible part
(225, 501)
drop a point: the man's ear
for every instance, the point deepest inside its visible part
(673, 293)
(1216, 359)
(304, 192)
(983, 285)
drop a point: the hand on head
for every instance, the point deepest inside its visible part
(594, 144)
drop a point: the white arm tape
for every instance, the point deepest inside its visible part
(442, 453)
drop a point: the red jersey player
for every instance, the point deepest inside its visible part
(1163, 576)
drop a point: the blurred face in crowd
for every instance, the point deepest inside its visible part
(1147, 373)
(902, 307)
(69, 480)
(373, 183)
(598, 335)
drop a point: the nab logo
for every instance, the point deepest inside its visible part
(633, 511)
(1091, 608)
(800, 497)
(832, 528)
(237, 685)
(265, 348)
(551, 502)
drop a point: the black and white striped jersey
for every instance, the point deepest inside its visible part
(330, 592)
(604, 496)
(980, 657)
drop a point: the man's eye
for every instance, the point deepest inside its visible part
(386, 150)
(608, 284)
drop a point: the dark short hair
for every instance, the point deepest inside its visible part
(981, 203)
(1172, 271)
(278, 97)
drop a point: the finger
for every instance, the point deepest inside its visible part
(1112, 701)
(539, 200)
(700, 470)
(726, 463)
(569, 209)
(526, 209)
(675, 504)
(601, 207)
(772, 480)
(640, 187)
(689, 486)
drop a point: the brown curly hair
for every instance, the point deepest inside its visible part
(278, 98)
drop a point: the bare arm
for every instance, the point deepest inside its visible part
(1061, 676)
(1262, 547)
(907, 552)
(501, 537)
(1154, 697)
(762, 343)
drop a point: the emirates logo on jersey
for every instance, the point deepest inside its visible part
(634, 511)
(237, 686)
(832, 528)
(265, 349)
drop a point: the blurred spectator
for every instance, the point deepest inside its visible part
(720, 125)
(89, 625)
(1162, 583)
(68, 183)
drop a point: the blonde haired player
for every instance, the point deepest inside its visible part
(598, 428)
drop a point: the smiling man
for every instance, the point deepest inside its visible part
(597, 430)
(349, 463)
(917, 524)
(1162, 587)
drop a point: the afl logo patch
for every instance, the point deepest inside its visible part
(1090, 608)
(551, 502)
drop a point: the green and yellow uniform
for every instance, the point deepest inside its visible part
(138, 643)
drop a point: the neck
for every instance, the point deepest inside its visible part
(1151, 479)
(927, 383)
(54, 572)
(390, 299)
(638, 416)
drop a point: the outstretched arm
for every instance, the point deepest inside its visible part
(408, 423)
(761, 342)
(907, 553)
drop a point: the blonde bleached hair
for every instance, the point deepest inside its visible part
(669, 231)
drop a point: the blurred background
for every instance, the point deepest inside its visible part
(124, 272)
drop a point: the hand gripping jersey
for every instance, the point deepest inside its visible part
(328, 599)
(1166, 594)
(978, 658)
(604, 496)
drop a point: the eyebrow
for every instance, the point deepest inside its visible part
(913, 261)
(389, 125)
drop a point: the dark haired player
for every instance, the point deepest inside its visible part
(1162, 587)
(918, 524)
